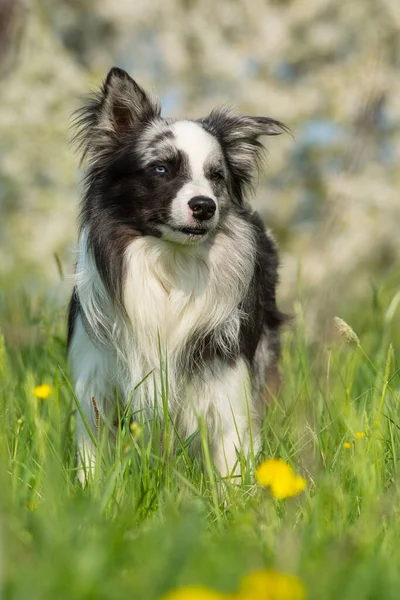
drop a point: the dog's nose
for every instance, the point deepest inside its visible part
(203, 208)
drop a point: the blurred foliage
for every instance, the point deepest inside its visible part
(327, 69)
(152, 519)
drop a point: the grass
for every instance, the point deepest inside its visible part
(152, 519)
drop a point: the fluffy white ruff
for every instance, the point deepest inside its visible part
(172, 294)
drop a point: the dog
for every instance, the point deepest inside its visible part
(176, 276)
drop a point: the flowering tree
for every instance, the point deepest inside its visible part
(330, 193)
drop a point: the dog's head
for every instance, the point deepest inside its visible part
(170, 179)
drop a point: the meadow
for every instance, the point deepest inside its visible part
(153, 520)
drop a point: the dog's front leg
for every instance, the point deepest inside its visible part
(91, 368)
(86, 450)
(233, 430)
(87, 425)
(232, 446)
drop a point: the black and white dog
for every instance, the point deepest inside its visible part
(173, 262)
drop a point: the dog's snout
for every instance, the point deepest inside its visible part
(203, 208)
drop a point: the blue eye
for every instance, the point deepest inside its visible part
(161, 169)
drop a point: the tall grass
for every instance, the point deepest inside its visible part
(153, 518)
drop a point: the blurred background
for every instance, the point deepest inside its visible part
(328, 69)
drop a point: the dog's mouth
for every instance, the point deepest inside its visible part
(184, 235)
(192, 230)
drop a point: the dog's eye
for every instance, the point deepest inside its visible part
(160, 169)
(217, 176)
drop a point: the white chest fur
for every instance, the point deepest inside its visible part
(174, 294)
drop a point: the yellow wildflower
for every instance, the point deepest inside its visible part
(136, 430)
(360, 435)
(347, 445)
(193, 592)
(42, 391)
(280, 477)
(271, 585)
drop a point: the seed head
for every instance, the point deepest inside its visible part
(346, 331)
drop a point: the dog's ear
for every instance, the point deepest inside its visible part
(117, 109)
(238, 136)
(125, 103)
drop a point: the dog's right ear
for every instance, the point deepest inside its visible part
(116, 110)
(125, 103)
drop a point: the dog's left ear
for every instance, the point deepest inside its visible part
(119, 108)
(238, 136)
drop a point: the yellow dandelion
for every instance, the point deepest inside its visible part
(347, 445)
(195, 593)
(42, 391)
(136, 430)
(360, 435)
(276, 474)
(271, 585)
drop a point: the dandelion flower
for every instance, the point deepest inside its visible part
(271, 585)
(136, 430)
(360, 435)
(42, 391)
(195, 593)
(347, 445)
(276, 474)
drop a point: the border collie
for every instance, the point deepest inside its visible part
(175, 275)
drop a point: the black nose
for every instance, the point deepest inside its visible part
(203, 208)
